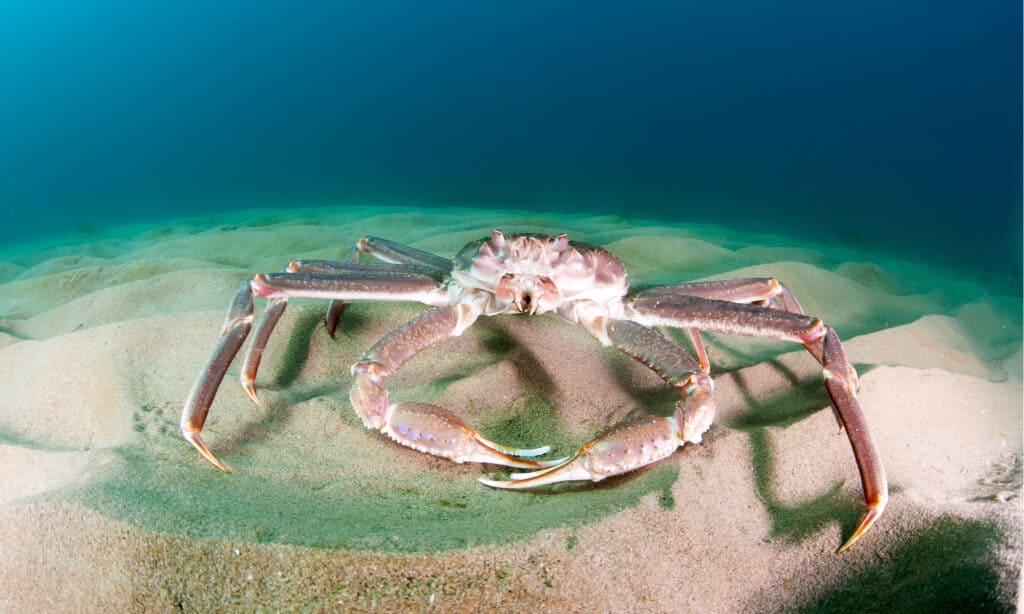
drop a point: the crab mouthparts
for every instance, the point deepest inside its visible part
(528, 294)
(523, 302)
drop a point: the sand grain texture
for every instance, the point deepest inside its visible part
(103, 506)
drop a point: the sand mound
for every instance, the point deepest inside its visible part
(103, 505)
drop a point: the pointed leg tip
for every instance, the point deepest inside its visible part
(848, 543)
(250, 389)
(331, 323)
(216, 462)
(873, 514)
(197, 442)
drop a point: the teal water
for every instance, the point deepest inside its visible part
(892, 126)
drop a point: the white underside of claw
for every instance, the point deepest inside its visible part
(517, 452)
(624, 448)
(508, 460)
(569, 469)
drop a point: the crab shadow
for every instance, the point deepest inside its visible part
(348, 500)
(282, 389)
(804, 397)
(945, 566)
(276, 495)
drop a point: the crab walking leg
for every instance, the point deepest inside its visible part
(635, 443)
(232, 335)
(843, 392)
(271, 315)
(821, 341)
(420, 426)
(275, 309)
(367, 282)
(388, 251)
(396, 253)
(763, 291)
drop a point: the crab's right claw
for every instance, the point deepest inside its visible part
(623, 448)
(571, 469)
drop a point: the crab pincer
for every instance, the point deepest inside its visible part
(435, 430)
(623, 448)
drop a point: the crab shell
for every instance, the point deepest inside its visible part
(538, 274)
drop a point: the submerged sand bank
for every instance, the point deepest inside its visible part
(101, 502)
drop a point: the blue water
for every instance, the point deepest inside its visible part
(892, 124)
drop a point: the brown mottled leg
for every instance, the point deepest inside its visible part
(275, 309)
(821, 341)
(763, 291)
(841, 383)
(423, 427)
(232, 335)
(271, 315)
(362, 282)
(388, 251)
(635, 443)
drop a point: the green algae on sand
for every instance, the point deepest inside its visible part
(434, 511)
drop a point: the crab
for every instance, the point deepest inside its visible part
(536, 275)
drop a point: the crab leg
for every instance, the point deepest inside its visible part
(232, 335)
(276, 308)
(821, 341)
(388, 251)
(635, 443)
(763, 291)
(271, 315)
(423, 427)
(359, 282)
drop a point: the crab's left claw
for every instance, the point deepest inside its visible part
(435, 430)
(623, 448)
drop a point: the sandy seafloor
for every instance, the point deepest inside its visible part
(104, 506)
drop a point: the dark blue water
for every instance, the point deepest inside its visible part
(893, 124)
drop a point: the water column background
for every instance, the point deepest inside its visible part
(891, 125)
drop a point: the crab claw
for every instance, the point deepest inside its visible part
(573, 468)
(432, 429)
(623, 448)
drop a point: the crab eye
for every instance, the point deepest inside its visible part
(498, 238)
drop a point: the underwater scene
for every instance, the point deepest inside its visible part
(785, 318)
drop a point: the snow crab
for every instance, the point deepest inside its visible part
(534, 274)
